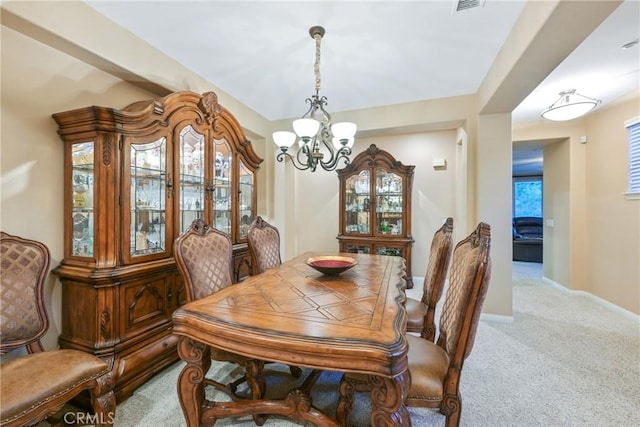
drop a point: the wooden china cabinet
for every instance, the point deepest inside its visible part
(134, 180)
(375, 206)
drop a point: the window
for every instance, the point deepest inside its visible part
(633, 127)
(527, 196)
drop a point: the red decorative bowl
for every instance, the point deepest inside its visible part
(331, 265)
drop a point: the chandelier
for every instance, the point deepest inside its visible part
(569, 106)
(320, 142)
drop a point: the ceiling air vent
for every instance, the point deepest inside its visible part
(468, 4)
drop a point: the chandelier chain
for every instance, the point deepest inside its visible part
(316, 66)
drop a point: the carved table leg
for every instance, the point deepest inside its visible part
(257, 384)
(345, 400)
(191, 379)
(387, 400)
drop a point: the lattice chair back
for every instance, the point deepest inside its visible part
(263, 240)
(24, 320)
(435, 278)
(204, 258)
(468, 283)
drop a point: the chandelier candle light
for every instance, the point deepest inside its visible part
(569, 106)
(315, 130)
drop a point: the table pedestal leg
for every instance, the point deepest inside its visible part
(191, 379)
(387, 400)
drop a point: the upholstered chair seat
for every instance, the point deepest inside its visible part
(28, 381)
(416, 311)
(427, 379)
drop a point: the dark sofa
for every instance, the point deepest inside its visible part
(527, 239)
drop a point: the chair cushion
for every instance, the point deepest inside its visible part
(33, 380)
(428, 364)
(416, 311)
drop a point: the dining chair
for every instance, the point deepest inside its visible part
(421, 313)
(204, 259)
(39, 383)
(435, 368)
(263, 240)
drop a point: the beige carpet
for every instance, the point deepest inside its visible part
(564, 360)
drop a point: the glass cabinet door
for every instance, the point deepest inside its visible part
(222, 179)
(358, 203)
(148, 197)
(82, 214)
(355, 248)
(388, 216)
(245, 200)
(192, 179)
(389, 250)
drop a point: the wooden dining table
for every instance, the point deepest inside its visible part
(295, 315)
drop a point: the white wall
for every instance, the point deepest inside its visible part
(36, 82)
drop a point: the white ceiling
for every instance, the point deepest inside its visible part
(374, 52)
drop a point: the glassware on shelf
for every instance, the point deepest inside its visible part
(153, 236)
(222, 162)
(82, 237)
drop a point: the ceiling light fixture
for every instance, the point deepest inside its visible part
(318, 137)
(569, 106)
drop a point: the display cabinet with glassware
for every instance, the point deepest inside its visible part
(134, 180)
(375, 206)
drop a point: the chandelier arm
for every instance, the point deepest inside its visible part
(281, 156)
(342, 154)
(325, 137)
(322, 101)
(312, 107)
(308, 163)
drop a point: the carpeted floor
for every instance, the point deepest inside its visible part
(564, 360)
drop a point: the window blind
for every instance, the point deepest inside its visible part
(633, 127)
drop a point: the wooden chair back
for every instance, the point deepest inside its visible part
(204, 258)
(263, 240)
(468, 283)
(23, 321)
(435, 278)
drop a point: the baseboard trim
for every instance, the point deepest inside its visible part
(603, 302)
